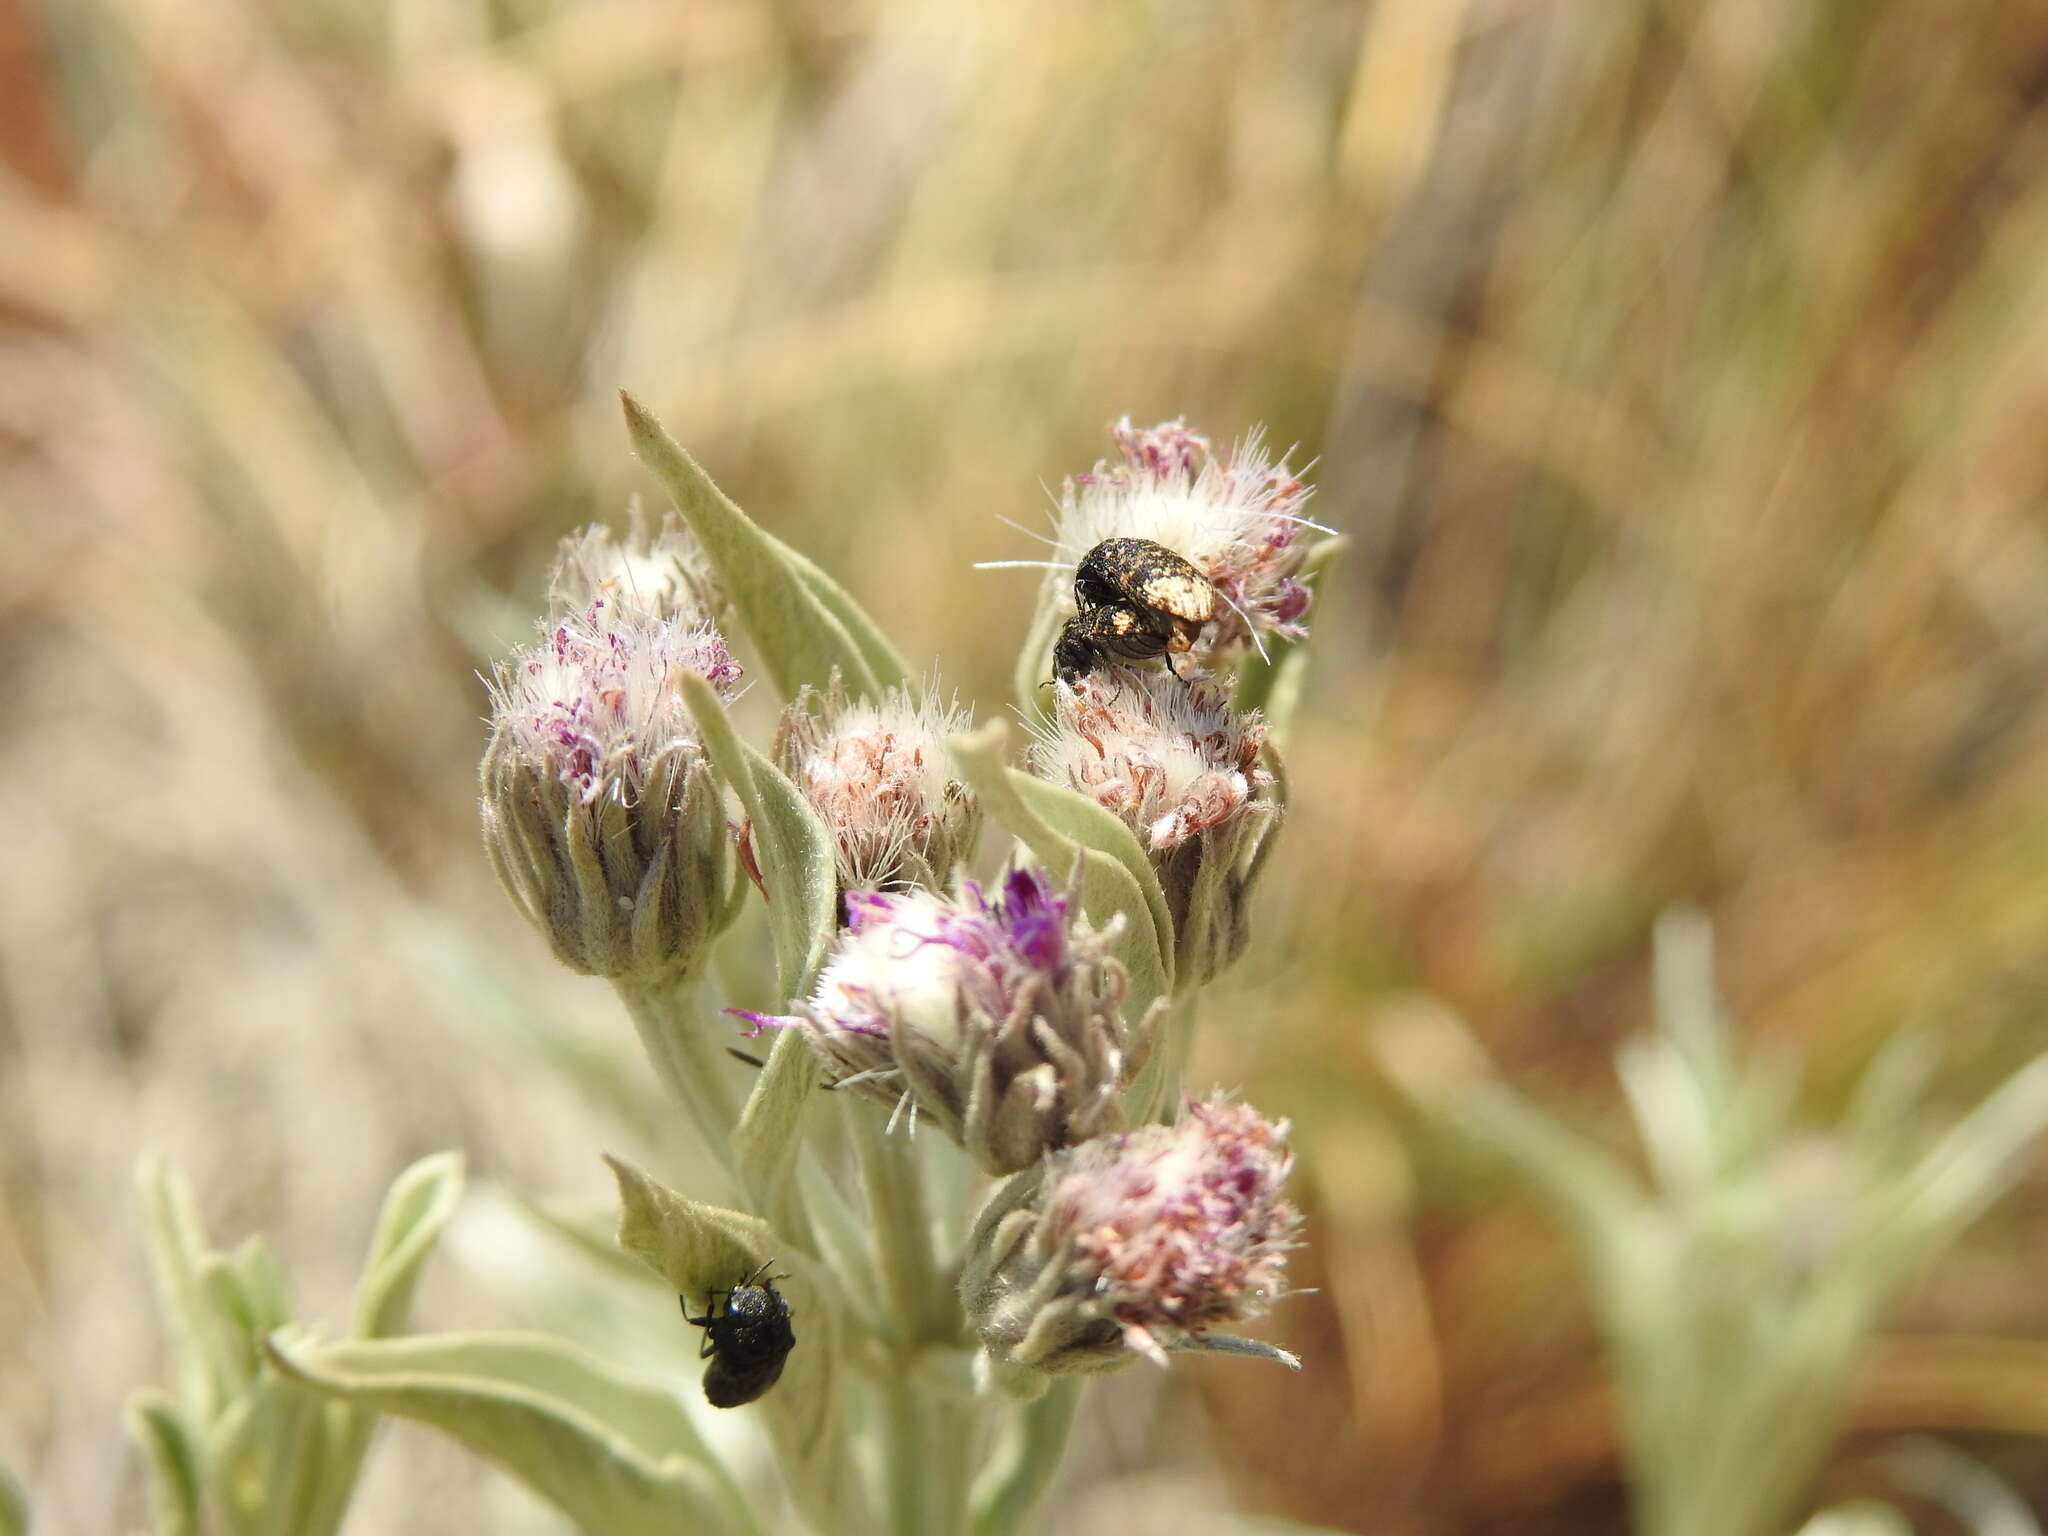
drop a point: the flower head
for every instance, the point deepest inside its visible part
(595, 702)
(1238, 519)
(999, 1019)
(1133, 1244)
(881, 778)
(599, 810)
(1168, 757)
(1182, 770)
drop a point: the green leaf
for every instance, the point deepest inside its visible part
(421, 1200)
(1009, 1491)
(802, 623)
(205, 1350)
(874, 646)
(1062, 827)
(793, 847)
(235, 1314)
(282, 1468)
(264, 1283)
(1977, 1161)
(699, 1248)
(766, 1141)
(1272, 682)
(612, 1450)
(695, 1248)
(154, 1424)
(330, 1442)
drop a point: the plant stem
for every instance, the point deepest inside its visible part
(894, 1187)
(928, 1440)
(1046, 1424)
(689, 1065)
(1155, 1095)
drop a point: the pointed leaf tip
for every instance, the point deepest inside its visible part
(801, 622)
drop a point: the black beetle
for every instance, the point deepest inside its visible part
(746, 1339)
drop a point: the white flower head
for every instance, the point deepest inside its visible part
(879, 774)
(1170, 758)
(595, 703)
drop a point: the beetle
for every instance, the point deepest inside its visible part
(1136, 600)
(1150, 579)
(747, 1339)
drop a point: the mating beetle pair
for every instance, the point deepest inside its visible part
(1137, 600)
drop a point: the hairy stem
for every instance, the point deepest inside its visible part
(691, 1066)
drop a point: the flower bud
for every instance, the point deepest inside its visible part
(599, 811)
(1183, 772)
(1238, 519)
(1134, 1244)
(1000, 1020)
(881, 778)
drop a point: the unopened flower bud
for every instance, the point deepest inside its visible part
(999, 1020)
(599, 810)
(882, 780)
(1183, 772)
(1238, 519)
(1134, 1244)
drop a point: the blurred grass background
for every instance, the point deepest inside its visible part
(1678, 367)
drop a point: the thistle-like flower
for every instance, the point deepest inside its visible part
(599, 810)
(1183, 772)
(880, 777)
(1134, 1244)
(1238, 519)
(1000, 1020)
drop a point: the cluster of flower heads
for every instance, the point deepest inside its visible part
(1001, 1019)
(1237, 518)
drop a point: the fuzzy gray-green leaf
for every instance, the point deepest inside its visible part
(174, 1478)
(793, 847)
(418, 1206)
(699, 1248)
(203, 1343)
(612, 1450)
(802, 623)
(766, 1140)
